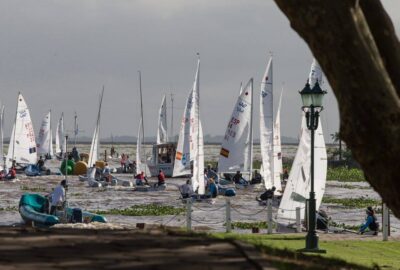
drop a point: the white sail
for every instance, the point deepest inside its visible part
(162, 135)
(182, 156)
(235, 154)
(298, 186)
(139, 165)
(277, 148)
(315, 74)
(61, 143)
(44, 145)
(1, 136)
(196, 137)
(22, 147)
(94, 147)
(266, 127)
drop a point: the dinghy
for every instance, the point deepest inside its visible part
(22, 146)
(32, 170)
(33, 209)
(61, 142)
(237, 147)
(45, 139)
(271, 167)
(298, 186)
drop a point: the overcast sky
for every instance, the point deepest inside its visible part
(59, 53)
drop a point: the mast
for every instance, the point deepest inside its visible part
(50, 135)
(172, 118)
(198, 118)
(76, 127)
(15, 125)
(141, 114)
(251, 133)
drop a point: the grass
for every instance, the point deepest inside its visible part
(347, 186)
(360, 202)
(33, 189)
(281, 251)
(345, 174)
(144, 210)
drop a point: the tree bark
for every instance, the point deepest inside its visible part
(356, 46)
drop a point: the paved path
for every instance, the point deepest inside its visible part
(27, 248)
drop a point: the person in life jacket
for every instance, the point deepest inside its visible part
(370, 222)
(141, 179)
(268, 194)
(161, 178)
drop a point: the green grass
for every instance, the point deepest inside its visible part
(360, 202)
(345, 175)
(365, 254)
(143, 210)
(33, 188)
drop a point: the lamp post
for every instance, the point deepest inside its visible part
(312, 106)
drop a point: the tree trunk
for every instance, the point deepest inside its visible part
(356, 46)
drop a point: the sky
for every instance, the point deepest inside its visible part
(59, 54)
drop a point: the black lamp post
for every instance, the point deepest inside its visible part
(312, 106)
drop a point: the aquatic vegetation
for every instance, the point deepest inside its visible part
(344, 226)
(33, 188)
(360, 202)
(144, 210)
(9, 208)
(347, 186)
(345, 174)
(249, 225)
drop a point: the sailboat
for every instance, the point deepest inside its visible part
(196, 137)
(237, 145)
(22, 146)
(182, 156)
(163, 152)
(61, 143)
(94, 147)
(269, 143)
(2, 164)
(298, 185)
(45, 139)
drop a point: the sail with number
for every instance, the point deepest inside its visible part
(94, 147)
(235, 154)
(196, 137)
(22, 147)
(162, 135)
(44, 143)
(182, 156)
(299, 182)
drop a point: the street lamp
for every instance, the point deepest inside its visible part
(312, 106)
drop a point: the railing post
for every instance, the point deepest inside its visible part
(385, 225)
(228, 215)
(189, 214)
(269, 215)
(298, 219)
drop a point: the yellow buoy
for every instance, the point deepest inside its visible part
(100, 164)
(80, 168)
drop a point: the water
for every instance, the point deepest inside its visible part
(204, 215)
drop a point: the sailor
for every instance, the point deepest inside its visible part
(40, 164)
(237, 177)
(256, 178)
(370, 222)
(58, 196)
(75, 154)
(212, 187)
(12, 173)
(141, 179)
(107, 172)
(186, 190)
(268, 194)
(161, 178)
(211, 173)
